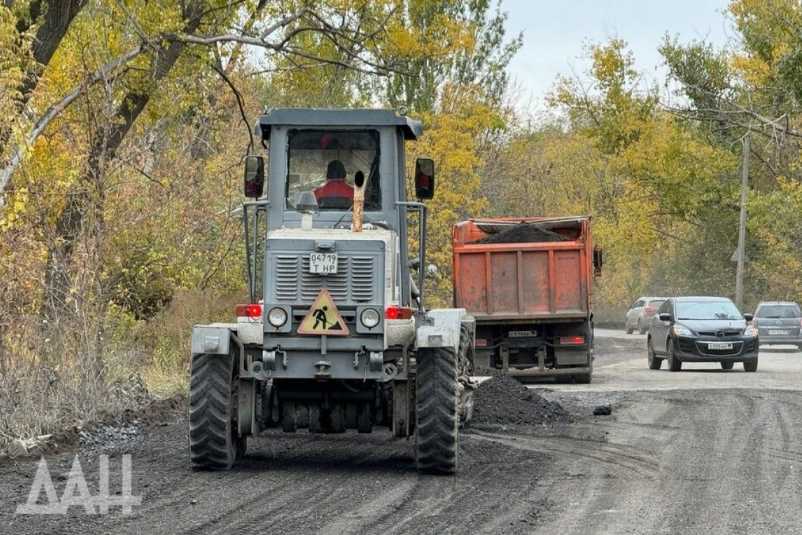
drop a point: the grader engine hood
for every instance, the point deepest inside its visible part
(355, 269)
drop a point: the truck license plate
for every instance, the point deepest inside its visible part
(523, 334)
(777, 332)
(719, 345)
(323, 263)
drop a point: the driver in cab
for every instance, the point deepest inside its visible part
(336, 193)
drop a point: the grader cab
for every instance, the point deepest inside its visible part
(336, 336)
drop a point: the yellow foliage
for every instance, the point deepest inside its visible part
(453, 138)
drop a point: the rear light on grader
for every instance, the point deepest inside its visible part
(252, 311)
(572, 340)
(398, 313)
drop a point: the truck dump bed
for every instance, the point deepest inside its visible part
(523, 268)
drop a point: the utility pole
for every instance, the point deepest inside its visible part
(739, 269)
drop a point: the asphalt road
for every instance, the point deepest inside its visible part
(700, 451)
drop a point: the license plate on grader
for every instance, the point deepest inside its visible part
(323, 263)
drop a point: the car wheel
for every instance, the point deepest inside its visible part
(641, 328)
(654, 361)
(674, 363)
(627, 328)
(726, 365)
(750, 366)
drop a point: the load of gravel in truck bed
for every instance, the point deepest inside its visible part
(503, 400)
(523, 233)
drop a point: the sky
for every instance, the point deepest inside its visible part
(556, 32)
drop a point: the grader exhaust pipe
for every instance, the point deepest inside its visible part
(359, 201)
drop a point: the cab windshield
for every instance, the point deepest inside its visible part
(707, 310)
(325, 162)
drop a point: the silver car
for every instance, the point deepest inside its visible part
(778, 322)
(640, 314)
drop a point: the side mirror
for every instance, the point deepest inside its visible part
(598, 261)
(749, 317)
(665, 316)
(254, 176)
(424, 178)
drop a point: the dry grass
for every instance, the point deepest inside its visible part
(170, 333)
(46, 386)
(80, 373)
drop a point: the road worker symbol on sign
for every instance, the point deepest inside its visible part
(323, 318)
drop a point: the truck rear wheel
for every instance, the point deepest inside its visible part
(213, 440)
(583, 378)
(436, 411)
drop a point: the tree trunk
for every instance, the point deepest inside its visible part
(87, 192)
(53, 25)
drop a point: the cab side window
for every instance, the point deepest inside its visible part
(665, 308)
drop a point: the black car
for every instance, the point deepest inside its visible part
(701, 329)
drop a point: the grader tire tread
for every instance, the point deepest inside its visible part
(211, 441)
(437, 421)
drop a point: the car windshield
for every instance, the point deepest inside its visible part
(707, 310)
(325, 162)
(778, 311)
(655, 303)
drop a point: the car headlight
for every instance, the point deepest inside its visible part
(277, 317)
(681, 330)
(750, 330)
(370, 317)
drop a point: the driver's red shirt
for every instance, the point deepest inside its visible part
(334, 188)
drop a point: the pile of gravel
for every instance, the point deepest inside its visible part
(503, 400)
(106, 437)
(523, 233)
(113, 432)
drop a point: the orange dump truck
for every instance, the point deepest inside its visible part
(527, 281)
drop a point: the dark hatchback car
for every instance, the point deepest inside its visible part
(778, 322)
(701, 329)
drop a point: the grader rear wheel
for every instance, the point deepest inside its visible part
(213, 440)
(436, 411)
(441, 401)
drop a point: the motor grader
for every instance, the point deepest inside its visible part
(336, 335)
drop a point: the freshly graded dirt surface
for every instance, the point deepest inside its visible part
(523, 233)
(703, 451)
(296, 483)
(503, 400)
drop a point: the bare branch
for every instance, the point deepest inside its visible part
(350, 43)
(53, 111)
(240, 104)
(281, 23)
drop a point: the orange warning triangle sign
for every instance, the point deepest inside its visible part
(323, 318)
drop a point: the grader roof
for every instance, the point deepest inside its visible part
(411, 128)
